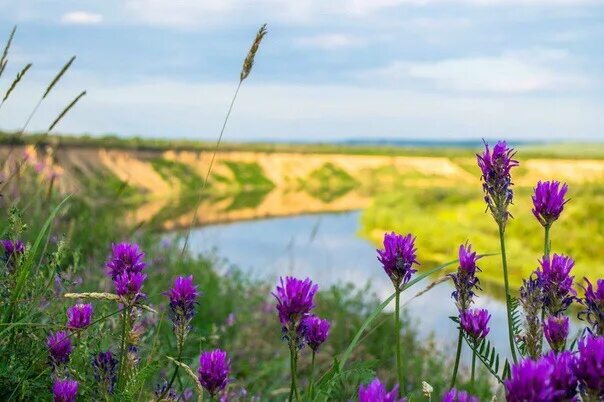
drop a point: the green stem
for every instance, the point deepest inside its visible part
(473, 368)
(457, 357)
(121, 370)
(179, 353)
(507, 292)
(546, 242)
(293, 354)
(397, 339)
(311, 378)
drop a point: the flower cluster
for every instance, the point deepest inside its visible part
(64, 390)
(295, 300)
(594, 306)
(555, 329)
(375, 391)
(496, 179)
(105, 371)
(475, 323)
(398, 258)
(79, 316)
(125, 269)
(183, 298)
(548, 201)
(531, 299)
(315, 331)
(590, 366)
(556, 283)
(459, 396)
(214, 370)
(59, 347)
(12, 250)
(465, 279)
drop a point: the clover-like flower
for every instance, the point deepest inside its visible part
(64, 390)
(295, 299)
(556, 282)
(105, 371)
(315, 331)
(459, 396)
(590, 366)
(398, 258)
(375, 391)
(594, 306)
(465, 279)
(555, 329)
(214, 370)
(475, 323)
(548, 201)
(530, 381)
(59, 347)
(79, 316)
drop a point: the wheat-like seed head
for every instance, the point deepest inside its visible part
(248, 63)
(3, 60)
(18, 78)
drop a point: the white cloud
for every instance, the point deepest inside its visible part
(331, 41)
(515, 72)
(81, 18)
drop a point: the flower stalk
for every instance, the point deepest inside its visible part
(397, 340)
(507, 291)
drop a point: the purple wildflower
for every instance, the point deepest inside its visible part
(398, 257)
(475, 323)
(496, 179)
(563, 378)
(375, 391)
(59, 347)
(294, 299)
(163, 393)
(548, 201)
(594, 306)
(105, 371)
(590, 366)
(459, 396)
(555, 329)
(125, 269)
(129, 284)
(465, 279)
(183, 298)
(556, 282)
(315, 331)
(214, 370)
(12, 250)
(530, 381)
(531, 298)
(64, 390)
(79, 316)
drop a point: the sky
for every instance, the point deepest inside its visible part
(328, 70)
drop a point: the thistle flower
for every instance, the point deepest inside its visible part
(465, 279)
(398, 258)
(530, 381)
(214, 370)
(12, 250)
(556, 282)
(59, 347)
(496, 179)
(555, 329)
(64, 390)
(475, 323)
(125, 269)
(105, 371)
(563, 378)
(590, 366)
(315, 331)
(594, 306)
(183, 298)
(294, 299)
(548, 201)
(459, 396)
(79, 316)
(375, 391)
(531, 299)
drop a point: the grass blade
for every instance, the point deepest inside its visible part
(58, 76)
(66, 110)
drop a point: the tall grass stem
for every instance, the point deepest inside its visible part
(397, 339)
(507, 292)
(457, 358)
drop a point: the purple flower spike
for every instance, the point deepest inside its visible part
(475, 323)
(563, 379)
(590, 366)
(594, 303)
(465, 279)
(557, 283)
(555, 329)
(105, 371)
(12, 250)
(129, 284)
(548, 201)
(398, 257)
(531, 298)
(59, 347)
(375, 391)
(530, 381)
(79, 316)
(459, 396)
(214, 370)
(126, 257)
(315, 331)
(496, 179)
(183, 298)
(64, 390)
(294, 299)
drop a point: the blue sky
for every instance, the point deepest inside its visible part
(328, 70)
